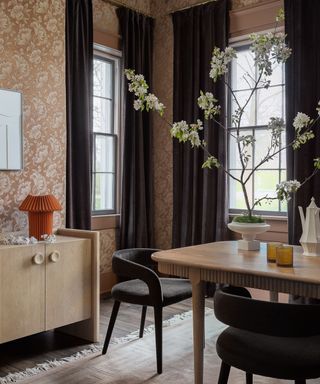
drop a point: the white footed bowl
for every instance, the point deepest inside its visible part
(249, 231)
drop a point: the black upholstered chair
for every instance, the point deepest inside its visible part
(265, 338)
(145, 288)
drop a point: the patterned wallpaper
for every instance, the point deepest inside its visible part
(107, 247)
(104, 17)
(163, 88)
(104, 14)
(32, 61)
(245, 3)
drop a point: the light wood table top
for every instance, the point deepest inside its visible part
(222, 262)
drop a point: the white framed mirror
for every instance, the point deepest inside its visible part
(11, 139)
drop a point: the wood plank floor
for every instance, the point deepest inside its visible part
(29, 351)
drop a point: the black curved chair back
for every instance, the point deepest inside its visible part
(125, 257)
(269, 318)
(136, 263)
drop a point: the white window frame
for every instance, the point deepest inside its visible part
(103, 52)
(238, 42)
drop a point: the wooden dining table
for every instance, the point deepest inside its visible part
(223, 262)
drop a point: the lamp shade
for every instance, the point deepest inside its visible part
(40, 213)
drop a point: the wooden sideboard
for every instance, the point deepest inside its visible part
(51, 285)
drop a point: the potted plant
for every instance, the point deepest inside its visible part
(268, 49)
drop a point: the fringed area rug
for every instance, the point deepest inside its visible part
(134, 362)
(89, 351)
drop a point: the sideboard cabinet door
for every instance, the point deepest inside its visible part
(68, 282)
(22, 287)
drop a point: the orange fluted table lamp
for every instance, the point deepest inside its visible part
(40, 213)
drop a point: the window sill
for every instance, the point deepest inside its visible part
(105, 222)
(265, 217)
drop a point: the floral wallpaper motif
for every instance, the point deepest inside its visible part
(105, 18)
(245, 3)
(107, 247)
(32, 61)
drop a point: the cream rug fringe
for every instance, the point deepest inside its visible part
(94, 348)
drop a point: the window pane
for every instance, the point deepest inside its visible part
(104, 192)
(249, 116)
(265, 185)
(102, 115)
(236, 199)
(277, 75)
(105, 154)
(243, 70)
(234, 158)
(269, 104)
(263, 141)
(102, 78)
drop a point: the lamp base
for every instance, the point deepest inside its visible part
(40, 223)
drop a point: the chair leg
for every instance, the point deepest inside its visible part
(143, 319)
(249, 378)
(158, 334)
(113, 317)
(224, 373)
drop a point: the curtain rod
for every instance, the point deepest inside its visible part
(190, 6)
(119, 3)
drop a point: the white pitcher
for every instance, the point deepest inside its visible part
(310, 239)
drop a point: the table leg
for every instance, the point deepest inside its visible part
(198, 328)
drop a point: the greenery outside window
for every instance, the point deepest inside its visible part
(263, 105)
(106, 131)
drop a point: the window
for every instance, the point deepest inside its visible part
(264, 104)
(106, 105)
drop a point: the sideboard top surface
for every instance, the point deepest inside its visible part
(59, 240)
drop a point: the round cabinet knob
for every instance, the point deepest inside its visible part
(38, 258)
(54, 256)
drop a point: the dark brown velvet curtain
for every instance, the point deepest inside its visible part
(199, 196)
(136, 228)
(79, 61)
(302, 95)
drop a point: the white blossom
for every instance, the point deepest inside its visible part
(211, 162)
(302, 139)
(207, 102)
(185, 132)
(129, 73)
(286, 188)
(268, 49)
(300, 121)
(153, 103)
(316, 163)
(220, 61)
(194, 139)
(138, 104)
(180, 131)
